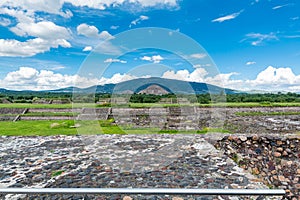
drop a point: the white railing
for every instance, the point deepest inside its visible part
(145, 191)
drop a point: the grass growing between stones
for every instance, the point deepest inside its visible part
(213, 130)
(153, 130)
(259, 113)
(149, 105)
(57, 173)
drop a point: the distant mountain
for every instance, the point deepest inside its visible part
(137, 85)
(170, 85)
(154, 89)
(2, 90)
(63, 90)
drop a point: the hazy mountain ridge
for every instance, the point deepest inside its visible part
(136, 85)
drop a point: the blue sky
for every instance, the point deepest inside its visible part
(252, 44)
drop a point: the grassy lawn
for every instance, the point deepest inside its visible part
(55, 127)
(66, 127)
(34, 128)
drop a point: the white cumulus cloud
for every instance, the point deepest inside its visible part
(276, 76)
(46, 35)
(43, 29)
(270, 79)
(53, 6)
(27, 78)
(87, 48)
(102, 5)
(117, 78)
(198, 75)
(92, 32)
(154, 59)
(25, 16)
(224, 80)
(25, 9)
(30, 47)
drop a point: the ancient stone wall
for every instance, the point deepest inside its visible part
(40, 110)
(7, 118)
(11, 110)
(275, 160)
(195, 118)
(270, 124)
(31, 118)
(93, 114)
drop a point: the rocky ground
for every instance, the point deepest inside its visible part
(172, 161)
(274, 159)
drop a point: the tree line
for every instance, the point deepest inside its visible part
(209, 98)
(24, 97)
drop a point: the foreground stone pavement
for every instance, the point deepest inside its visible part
(164, 160)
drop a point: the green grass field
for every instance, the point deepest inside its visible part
(34, 128)
(55, 127)
(67, 127)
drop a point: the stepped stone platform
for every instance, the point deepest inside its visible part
(11, 114)
(174, 118)
(162, 160)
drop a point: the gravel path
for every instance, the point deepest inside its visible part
(172, 161)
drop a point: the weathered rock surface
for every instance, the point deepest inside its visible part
(273, 159)
(173, 161)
